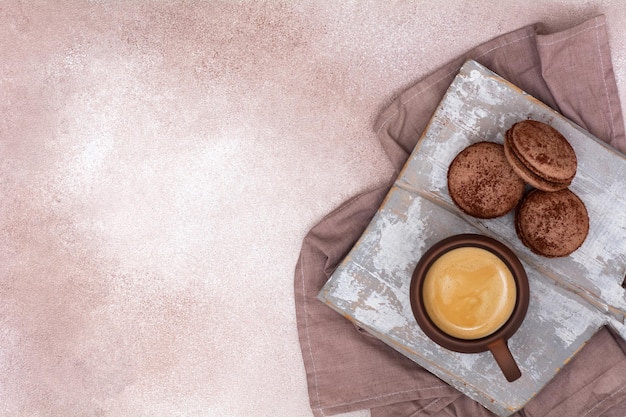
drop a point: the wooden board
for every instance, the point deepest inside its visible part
(571, 297)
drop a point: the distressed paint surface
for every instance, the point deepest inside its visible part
(571, 297)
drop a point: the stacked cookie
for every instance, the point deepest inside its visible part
(540, 155)
(487, 180)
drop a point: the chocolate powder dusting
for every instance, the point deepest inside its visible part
(552, 224)
(543, 150)
(482, 183)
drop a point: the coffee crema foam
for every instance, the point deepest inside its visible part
(469, 293)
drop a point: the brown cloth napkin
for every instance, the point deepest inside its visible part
(349, 370)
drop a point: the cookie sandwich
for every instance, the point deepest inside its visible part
(552, 224)
(482, 183)
(540, 155)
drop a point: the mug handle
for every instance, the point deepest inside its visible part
(505, 360)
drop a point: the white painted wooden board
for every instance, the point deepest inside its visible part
(571, 297)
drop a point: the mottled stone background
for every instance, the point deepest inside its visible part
(160, 163)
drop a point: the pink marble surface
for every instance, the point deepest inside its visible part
(160, 165)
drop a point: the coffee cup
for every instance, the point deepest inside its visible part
(469, 293)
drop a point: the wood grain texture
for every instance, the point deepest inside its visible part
(571, 297)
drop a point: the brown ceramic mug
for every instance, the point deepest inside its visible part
(469, 293)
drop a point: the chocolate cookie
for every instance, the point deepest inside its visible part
(482, 183)
(552, 224)
(540, 155)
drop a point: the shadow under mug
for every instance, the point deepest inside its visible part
(495, 342)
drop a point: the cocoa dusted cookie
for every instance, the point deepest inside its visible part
(552, 224)
(482, 183)
(540, 155)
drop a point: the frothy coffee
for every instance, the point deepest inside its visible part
(469, 293)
